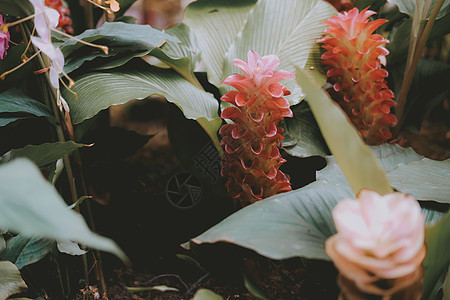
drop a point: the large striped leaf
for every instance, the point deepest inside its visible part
(288, 29)
(99, 90)
(181, 56)
(215, 24)
(298, 223)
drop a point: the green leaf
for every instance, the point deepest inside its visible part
(30, 205)
(427, 90)
(297, 223)
(288, 29)
(14, 105)
(215, 24)
(43, 154)
(344, 141)
(302, 134)
(253, 288)
(23, 251)
(408, 7)
(16, 8)
(122, 39)
(99, 90)
(437, 260)
(182, 57)
(425, 179)
(70, 248)
(10, 280)
(204, 294)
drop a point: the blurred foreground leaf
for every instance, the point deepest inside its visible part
(30, 205)
(10, 280)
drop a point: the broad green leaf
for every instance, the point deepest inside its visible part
(16, 8)
(182, 57)
(10, 280)
(425, 179)
(438, 257)
(297, 223)
(204, 294)
(137, 79)
(22, 250)
(288, 29)
(123, 40)
(409, 7)
(216, 24)
(302, 135)
(14, 105)
(2, 243)
(355, 158)
(30, 205)
(43, 154)
(70, 248)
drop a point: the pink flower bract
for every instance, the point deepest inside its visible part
(252, 158)
(354, 57)
(377, 237)
(4, 40)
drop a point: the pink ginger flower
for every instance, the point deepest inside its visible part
(378, 238)
(354, 56)
(252, 157)
(4, 40)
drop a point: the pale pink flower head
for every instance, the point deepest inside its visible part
(377, 237)
(259, 72)
(4, 40)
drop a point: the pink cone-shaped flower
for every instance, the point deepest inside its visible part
(354, 56)
(252, 157)
(4, 40)
(378, 237)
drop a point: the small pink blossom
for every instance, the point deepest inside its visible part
(378, 237)
(4, 40)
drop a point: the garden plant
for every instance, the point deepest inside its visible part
(356, 91)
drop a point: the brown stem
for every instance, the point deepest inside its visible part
(409, 74)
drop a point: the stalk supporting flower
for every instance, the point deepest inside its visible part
(252, 159)
(354, 56)
(4, 39)
(379, 246)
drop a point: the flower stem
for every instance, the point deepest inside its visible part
(105, 49)
(409, 73)
(2, 77)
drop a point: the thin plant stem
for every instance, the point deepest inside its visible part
(105, 49)
(2, 77)
(409, 73)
